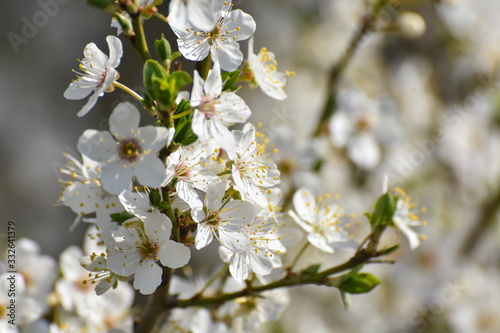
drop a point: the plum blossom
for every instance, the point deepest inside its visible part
(252, 168)
(129, 152)
(215, 109)
(222, 218)
(214, 29)
(264, 73)
(143, 242)
(187, 164)
(323, 223)
(97, 73)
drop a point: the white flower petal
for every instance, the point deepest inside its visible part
(97, 145)
(200, 126)
(238, 19)
(213, 85)
(115, 51)
(158, 226)
(363, 150)
(186, 192)
(201, 15)
(150, 171)
(305, 204)
(124, 120)
(147, 277)
(320, 242)
(116, 176)
(173, 254)
(90, 104)
(238, 266)
(75, 92)
(228, 54)
(191, 49)
(204, 236)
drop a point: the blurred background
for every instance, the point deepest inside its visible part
(430, 80)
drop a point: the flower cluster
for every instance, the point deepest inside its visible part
(158, 194)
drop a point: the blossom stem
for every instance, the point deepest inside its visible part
(214, 278)
(180, 115)
(161, 17)
(154, 310)
(338, 69)
(170, 213)
(320, 278)
(139, 40)
(302, 250)
(127, 89)
(223, 173)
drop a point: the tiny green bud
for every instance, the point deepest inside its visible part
(163, 48)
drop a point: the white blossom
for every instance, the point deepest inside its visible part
(217, 32)
(129, 151)
(215, 110)
(97, 73)
(322, 222)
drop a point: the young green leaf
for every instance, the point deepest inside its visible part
(359, 283)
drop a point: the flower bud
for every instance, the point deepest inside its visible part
(410, 25)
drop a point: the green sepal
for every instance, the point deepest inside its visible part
(163, 48)
(229, 79)
(387, 251)
(164, 205)
(154, 197)
(121, 217)
(384, 211)
(358, 283)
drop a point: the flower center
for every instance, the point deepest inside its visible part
(207, 107)
(149, 250)
(363, 124)
(214, 219)
(130, 150)
(103, 78)
(182, 171)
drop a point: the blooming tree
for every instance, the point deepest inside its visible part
(157, 195)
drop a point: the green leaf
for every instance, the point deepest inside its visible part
(384, 211)
(179, 79)
(121, 217)
(154, 197)
(163, 48)
(311, 270)
(230, 79)
(182, 107)
(156, 81)
(359, 283)
(147, 101)
(183, 132)
(174, 56)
